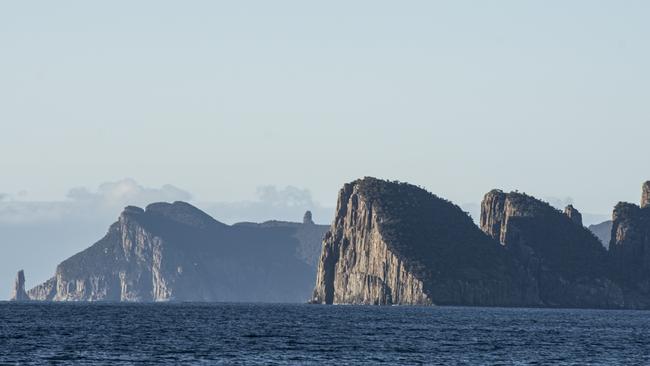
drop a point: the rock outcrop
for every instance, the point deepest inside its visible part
(645, 195)
(395, 243)
(630, 247)
(572, 213)
(176, 252)
(18, 293)
(307, 219)
(564, 260)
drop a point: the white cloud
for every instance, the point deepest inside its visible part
(83, 205)
(128, 192)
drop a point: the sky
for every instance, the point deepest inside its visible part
(222, 100)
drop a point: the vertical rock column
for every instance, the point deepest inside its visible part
(18, 293)
(493, 214)
(645, 195)
(307, 219)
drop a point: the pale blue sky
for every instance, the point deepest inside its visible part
(218, 98)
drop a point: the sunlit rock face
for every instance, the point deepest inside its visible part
(176, 252)
(395, 243)
(645, 195)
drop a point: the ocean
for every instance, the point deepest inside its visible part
(283, 334)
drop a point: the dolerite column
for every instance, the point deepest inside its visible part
(645, 196)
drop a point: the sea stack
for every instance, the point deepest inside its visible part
(307, 219)
(395, 243)
(18, 293)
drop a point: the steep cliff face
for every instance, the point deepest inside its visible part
(566, 261)
(46, 291)
(18, 293)
(630, 245)
(175, 252)
(394, 243)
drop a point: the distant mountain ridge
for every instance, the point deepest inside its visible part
(176, 252)
(603, 232)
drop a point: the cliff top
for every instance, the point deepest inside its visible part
(573, 214)
(559, 238)
(423, 228)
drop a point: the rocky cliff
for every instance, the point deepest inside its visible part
(395, 243)
(572, 213)
(176, 252)
(565, 261)
(630, 247)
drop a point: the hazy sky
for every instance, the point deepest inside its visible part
(218, 98)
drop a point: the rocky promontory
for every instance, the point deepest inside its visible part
(564, 261)
(395, 243)
(176, 252)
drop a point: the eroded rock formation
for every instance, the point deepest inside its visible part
(18, 293)
(306, 219)
(630, 246)
(572, 213)
(395, 243)
(645, 195)
(565, 261)
(176, 252)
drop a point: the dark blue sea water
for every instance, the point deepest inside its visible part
(114, 334)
